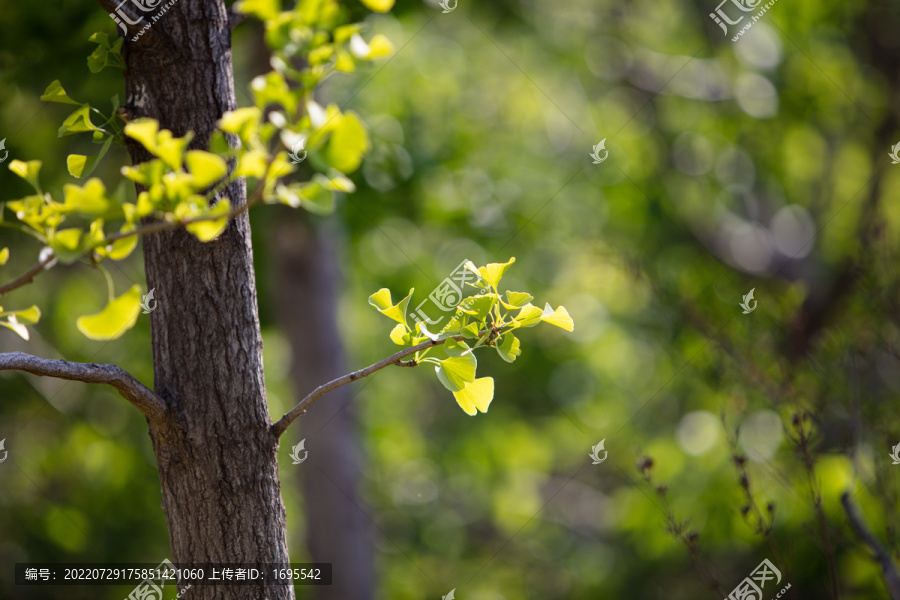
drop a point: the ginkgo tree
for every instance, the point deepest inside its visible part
(215, 443)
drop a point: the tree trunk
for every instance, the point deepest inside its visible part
(307, 277)
(217, 456)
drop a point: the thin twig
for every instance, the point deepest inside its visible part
(28, 276)
(395, 359)
(888, 568)
(143, 398)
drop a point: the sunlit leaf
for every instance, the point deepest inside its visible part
(492, 272)
(378, 5)
(28, 171)
(457, 372)
(205, 167)
(143, 130)
(476, 395)
(559, 317)
(82, 166)
(77, 122)
(381, 300)
(119, 316)
(56, 93)
(528, 316)
(4, 256)
(66, 245)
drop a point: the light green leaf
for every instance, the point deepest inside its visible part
(121, 248)
(56, 93)
(66, 245)
(119, 316)
(381, 300)
(79, 121)
(528, 316)
(4, 256)
(494, 271)
(400, 335)
(379, 47)
(90, 199)
(476, 395)
(243, 121)
(28, 315)
(82, 166)
(13, 323)
(144, 130)
(207, 231)
(454, 348)
(171, 149)
(478, 306)
(381, 6)
(559, 317)
(509, 348)
(28, 171)
(206, 168)
(347, 145)
(105, 55)
(457, 371)
(315, 198)
(516, 299)
(264, 10)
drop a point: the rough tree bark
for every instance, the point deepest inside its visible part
(216, 451)
(306, 289)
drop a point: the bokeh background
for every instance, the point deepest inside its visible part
(761, 164)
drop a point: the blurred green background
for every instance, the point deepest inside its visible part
(759, 164)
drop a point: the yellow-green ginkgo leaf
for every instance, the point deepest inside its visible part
(206, 167)
(382, 301)
(559, 317)
(381, 6)
(264, 10)
(14, 324)
(90, 199)
(457, 372)
(509, 348)
(144, 130)
(400, 335)
(4, 256)
(66, 244)
(56, 93)
(119, 316)
(28, 171)
(492, 272)
(528, 316)
(516, 299)
(476, 395)
(207, 231)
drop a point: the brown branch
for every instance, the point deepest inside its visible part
(395, 359)
(888, 568)
(143, 398)
(28, 276)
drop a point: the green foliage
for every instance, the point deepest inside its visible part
(487, 320)
(182, 188)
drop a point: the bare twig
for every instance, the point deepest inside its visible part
(28, 276)
(143, 398)
(395, 359)
(888, 568)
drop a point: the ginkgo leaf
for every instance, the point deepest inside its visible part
(457, 372)
(454, 348)
(492, 272)
(56, 93)
(400, 335)
(144, 131)
(509, 348)
(13, 323)
(382, 301)
(4, 256)
(378, 5)
(559, 317)
(476, 395)
(528, 316)
(119, 316)
(206, 167)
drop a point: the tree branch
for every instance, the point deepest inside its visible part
(888, 568)
(143, 398)
(395, 359)
(28, 276)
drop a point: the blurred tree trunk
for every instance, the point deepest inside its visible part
(216, 452)
(308, 279)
